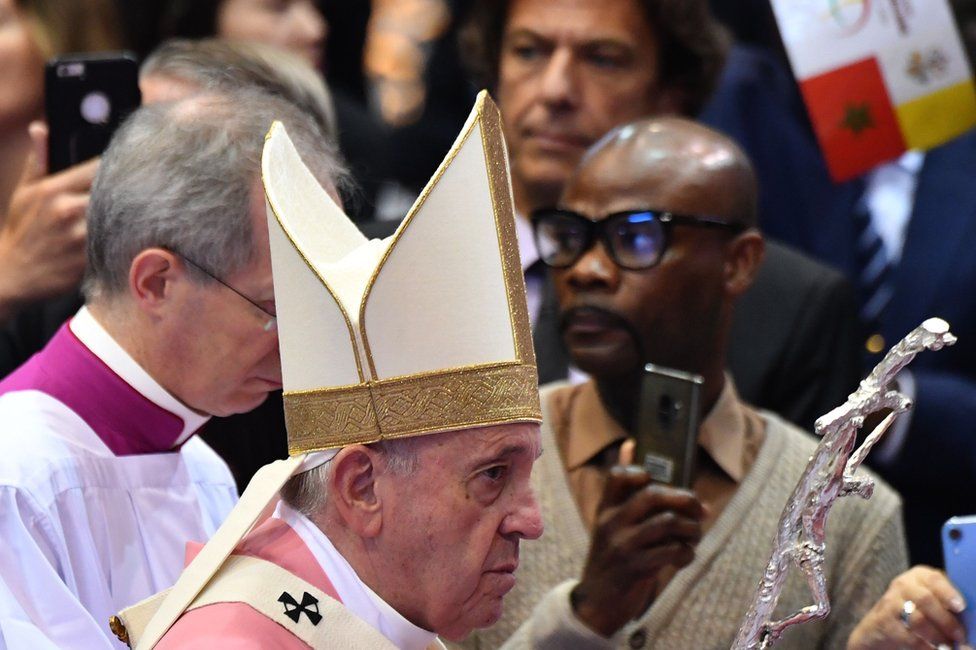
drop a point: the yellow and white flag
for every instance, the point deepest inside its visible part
(878, 76)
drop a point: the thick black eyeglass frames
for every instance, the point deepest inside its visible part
(634, 239)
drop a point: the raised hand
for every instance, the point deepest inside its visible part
(929, 620)
(42, 238)
(641, 528)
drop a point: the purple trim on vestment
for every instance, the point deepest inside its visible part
(125, 420)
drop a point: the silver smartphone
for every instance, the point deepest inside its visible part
(667, 425)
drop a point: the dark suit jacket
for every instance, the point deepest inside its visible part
(794, 343)
(757, 104)
(936, 469)
(802, 207)
(793, 347)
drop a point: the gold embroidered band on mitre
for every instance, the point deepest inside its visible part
(412, 405)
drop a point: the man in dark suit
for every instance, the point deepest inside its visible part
(567, 72)
(931, 271)
(916, 214)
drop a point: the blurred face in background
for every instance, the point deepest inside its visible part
(294, 25)
(570, 70)
(21, 70)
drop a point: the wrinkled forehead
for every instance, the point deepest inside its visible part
(509, 439)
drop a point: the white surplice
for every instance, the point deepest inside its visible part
(84, 532)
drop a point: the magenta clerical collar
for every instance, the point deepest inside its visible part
(84, 368)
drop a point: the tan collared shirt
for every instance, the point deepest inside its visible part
(589, 441)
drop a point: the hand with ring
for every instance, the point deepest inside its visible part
(919, 611)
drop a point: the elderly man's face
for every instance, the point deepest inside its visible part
(672, 308)
(570, 70)
(453, 537)
(229, 361)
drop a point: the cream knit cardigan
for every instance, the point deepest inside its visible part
(704, 603)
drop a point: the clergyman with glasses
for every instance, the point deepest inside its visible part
(653, 240)
(102, 480)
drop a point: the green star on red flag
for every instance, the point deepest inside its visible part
(857, 118)
(853, 116)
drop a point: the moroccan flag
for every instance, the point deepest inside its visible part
(878, 76)
(853, 117)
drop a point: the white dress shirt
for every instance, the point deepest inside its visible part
(890, 197)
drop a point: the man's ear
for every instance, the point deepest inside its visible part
(151, 277)
(352, 490)
(744, 256)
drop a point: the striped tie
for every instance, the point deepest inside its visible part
(875, 270)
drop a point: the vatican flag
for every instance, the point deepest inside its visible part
(878, 76)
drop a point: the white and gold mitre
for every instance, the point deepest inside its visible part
(423, 332)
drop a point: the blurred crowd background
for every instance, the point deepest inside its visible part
(395, 68)
(402, 76)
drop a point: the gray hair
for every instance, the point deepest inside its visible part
(213, 64)
(307, 492)
(179, 176)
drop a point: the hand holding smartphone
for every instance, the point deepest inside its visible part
(667, 425)
(86, 98)
(42, 240)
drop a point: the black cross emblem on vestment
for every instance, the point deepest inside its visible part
(309, 605)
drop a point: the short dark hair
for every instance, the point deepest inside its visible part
(691, 43)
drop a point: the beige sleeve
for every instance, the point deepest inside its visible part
(554, 626)
(868, 568)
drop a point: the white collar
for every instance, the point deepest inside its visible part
(94, 337)
(355, 595)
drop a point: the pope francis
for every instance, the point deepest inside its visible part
(413, 422)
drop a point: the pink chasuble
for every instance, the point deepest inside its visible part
(237, 625)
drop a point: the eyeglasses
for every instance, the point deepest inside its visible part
(272, 321)
(635, 239)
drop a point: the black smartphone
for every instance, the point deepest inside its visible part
(86, 97)
(667, 425)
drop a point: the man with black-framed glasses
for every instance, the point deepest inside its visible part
(634, 239)
(567, 71)
(651, 243)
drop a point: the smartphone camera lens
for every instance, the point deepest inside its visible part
(96, 108)
(75, 69)
(955, 534)
(667, 411)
